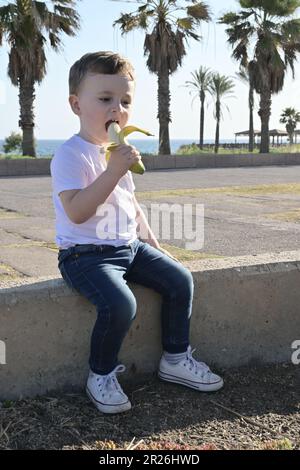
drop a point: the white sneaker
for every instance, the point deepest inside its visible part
(191, 373)
(106, 392)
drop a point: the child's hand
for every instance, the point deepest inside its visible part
(166, 252)
(122, 158)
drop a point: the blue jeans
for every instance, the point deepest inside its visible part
(100, 273)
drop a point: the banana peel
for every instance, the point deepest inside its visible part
(117, 136)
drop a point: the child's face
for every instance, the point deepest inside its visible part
(102, 98)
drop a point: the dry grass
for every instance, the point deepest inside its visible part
(259, 408)
(49, 245)
(288, 216)
(10, 214)
(187, 255)
(263, 189)
(7, 272)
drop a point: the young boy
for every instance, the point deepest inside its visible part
(97, 260)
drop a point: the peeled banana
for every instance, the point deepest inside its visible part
(118, 137)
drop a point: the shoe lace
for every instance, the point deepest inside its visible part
(110, 382)
(198, 367)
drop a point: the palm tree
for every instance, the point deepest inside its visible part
(220, 87)
(24, 24)
(290, 117)
(268, 25)
(164, 46)
(245, 76)
(202, 78)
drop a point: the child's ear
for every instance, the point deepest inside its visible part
(74, 103)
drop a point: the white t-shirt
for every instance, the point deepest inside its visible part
(75, 165)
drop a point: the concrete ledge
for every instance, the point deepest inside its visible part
(245, 310)
(41, 166)
(25, 167)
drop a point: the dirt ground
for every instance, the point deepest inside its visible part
(258, 408)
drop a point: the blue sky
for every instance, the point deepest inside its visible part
(54, 119)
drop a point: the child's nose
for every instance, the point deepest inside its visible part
(117, 106)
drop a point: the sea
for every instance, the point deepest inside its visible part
(46, 148)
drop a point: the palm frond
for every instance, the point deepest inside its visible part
(26, 25)
(276, 42)
(281, 8)
(199, 11)
(164, 45)
(185, 23)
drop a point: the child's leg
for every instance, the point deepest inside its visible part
(99, 277)
(174, 282)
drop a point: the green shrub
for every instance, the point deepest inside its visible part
(12, 143)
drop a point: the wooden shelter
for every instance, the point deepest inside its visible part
(272, 133)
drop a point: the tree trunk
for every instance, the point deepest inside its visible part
(218, 117)
(202, 99)
(251, 125)
(26, 100)
(265, 113)
(164, 112)
(290, 130)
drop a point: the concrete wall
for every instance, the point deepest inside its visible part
(245, 310)
(25, 166)
(41, 166)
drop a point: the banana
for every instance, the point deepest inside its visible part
(118, 137)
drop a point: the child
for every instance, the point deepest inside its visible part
(97, 260)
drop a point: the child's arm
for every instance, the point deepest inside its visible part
(81, 204)
(145, 233)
